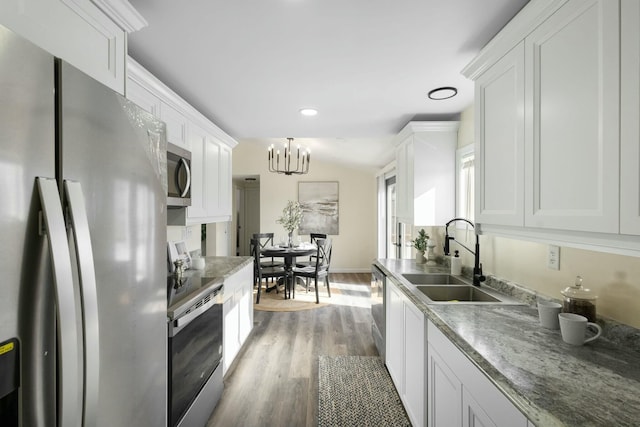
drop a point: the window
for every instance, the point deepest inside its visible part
(465, 182)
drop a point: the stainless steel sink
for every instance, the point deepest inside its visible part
(434, 279)
(456, 293)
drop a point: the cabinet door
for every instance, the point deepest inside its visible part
(414, 362)
(230, 345)
(472, 413)
(198, 143)
(76, 31)
(500, 141)
(572, 129)
(404, 181)
(176, 123)
(245, 304)
(444, 393)
(395, 336)
(629, 123)
(224, 182)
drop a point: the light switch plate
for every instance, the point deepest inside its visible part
(553, 257)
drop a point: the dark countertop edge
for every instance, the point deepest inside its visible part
(534, 413)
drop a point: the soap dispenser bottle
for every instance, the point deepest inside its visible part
(456, 266)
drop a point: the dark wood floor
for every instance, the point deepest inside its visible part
(274, 379)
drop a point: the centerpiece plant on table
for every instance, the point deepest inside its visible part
(291, 219)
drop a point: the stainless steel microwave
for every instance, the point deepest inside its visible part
(179, 176)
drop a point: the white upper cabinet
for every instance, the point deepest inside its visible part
(572, 138)
(500, 141)
(630, 118)
(176, 122)
(210, 147)
(577, 183)
(139, 94)
(425, 172)
(90, 35)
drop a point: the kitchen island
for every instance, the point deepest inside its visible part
(550, 382)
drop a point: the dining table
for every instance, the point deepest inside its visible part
(289, 254)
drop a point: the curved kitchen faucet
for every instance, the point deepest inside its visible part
(477, 267)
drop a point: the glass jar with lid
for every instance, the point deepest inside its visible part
(579, 300)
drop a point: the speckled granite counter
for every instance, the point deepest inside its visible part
(551, 382)
(224, 266)
(198, 283)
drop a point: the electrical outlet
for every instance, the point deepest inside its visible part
(553, 257)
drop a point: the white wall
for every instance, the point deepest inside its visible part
(355, 246)
(614, 278)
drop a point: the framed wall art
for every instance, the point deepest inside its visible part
(319, 201)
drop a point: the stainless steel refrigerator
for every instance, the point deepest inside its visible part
(83, 337)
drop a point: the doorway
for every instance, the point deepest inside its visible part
(246, 212)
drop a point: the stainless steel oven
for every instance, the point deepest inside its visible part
(195, 351)
(178, 176)
(378, 308)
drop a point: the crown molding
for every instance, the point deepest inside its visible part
(123, 14)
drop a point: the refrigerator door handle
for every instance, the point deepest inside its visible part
(89, 299)
(68, 393)
(188, 170)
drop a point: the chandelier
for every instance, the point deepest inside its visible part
(301, 162)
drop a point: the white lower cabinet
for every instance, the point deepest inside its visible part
(461, 395)
(405, 352)
(444, 391)
(237, 313)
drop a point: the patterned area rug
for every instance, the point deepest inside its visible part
(357, 391)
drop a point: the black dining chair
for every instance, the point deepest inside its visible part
(318, 271)
(264, 272)
(312, 259)
(263, 240)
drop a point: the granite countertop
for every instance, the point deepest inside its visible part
(224, 266)
(551, 382)
(198, 283)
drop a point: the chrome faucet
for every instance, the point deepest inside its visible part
(477, 266)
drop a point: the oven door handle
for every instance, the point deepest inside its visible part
(183, 321)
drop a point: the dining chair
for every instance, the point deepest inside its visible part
(264, 272)
(318, 271)
(312, 259)
(263, 240)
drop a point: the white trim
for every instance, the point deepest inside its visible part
(600, 242)
(461, 153)
(123, 14)
(417, 127)
(529, 17)
(144, 78)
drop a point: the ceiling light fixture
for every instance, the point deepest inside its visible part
(442, 93)
(301, 165)
(308, 111)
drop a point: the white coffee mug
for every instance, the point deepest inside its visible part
(548, 313)
(573, 328)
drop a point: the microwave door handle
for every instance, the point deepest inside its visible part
(89, 299)
(188, 185)
(68, 394)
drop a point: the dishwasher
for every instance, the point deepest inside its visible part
(378, 308)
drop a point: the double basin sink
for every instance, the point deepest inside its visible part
(445, 288)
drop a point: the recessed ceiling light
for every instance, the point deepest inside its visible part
(443, 93)
(308, 111)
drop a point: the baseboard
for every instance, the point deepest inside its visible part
(350, 270)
